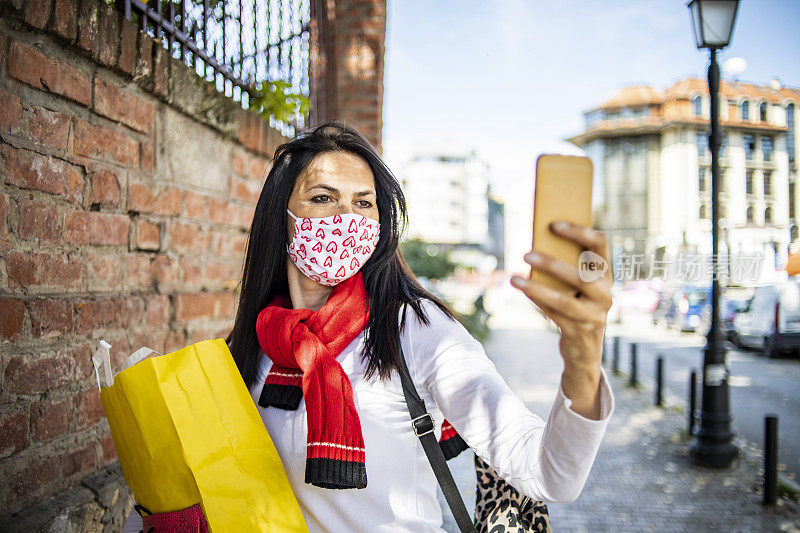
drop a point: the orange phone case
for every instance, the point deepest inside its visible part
(563, 191)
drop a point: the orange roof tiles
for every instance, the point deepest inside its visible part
(682, 90)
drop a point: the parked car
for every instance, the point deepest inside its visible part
(771, 320)
(690, 308)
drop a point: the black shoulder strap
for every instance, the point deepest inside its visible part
(422, 423)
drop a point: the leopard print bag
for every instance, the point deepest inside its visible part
(500, 508)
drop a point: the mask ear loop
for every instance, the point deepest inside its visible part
(291, 214)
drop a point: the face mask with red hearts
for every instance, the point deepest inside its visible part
(331, 249)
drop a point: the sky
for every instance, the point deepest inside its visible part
(511, 78)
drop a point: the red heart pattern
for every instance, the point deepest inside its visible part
(332, 257)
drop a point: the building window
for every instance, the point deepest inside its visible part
(767, 147)
(749, 145)
(702, 144)
(790, 134)
(697, 106)
(703, 214)
(767, 183)
(745, 110)
(748, 182)
(750, 213)
(792, 209)
(768, 215)
(701, 180)
(762, 112)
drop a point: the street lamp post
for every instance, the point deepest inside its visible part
(712, 445)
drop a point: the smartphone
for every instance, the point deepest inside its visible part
(563, 191)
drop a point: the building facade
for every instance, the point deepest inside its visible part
(653, 179)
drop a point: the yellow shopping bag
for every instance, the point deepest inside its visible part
(187, 431)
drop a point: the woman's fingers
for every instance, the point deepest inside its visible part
(588, 238)
(547, 297)
(569, 275)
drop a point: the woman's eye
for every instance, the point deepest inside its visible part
(365, 204)
(320, 198)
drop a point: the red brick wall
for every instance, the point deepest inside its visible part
(109, 229)
(352, 58)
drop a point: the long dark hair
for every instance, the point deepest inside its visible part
(387, 278)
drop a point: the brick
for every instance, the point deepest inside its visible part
(147, 157)
(26, 487)
(225, 307)
(88, 27)
(187, 238)
(11, 319)
(246, 216)
(221, 211)
(26, 375)
(105, 272)
(147, 235)
(194, 205)
(244, 190)
(109, 452)
(160, 61)
(108, 25)
(239, 162)
(139, 270)
(258, 169)
(80, 462)
(111, 144)
(166, 271)
(88, 227)
(105, 188)
(63, 22)
(148, 199)
(108, 313)
(30, 170)
(49, 128)
(119, 104)
(88, 409)
(50, 418)
(223, 272)
(192, 271)
(34, 269)
(144, 60)
(38, 221)
(10, 111)
(157, 310)
(127, 47)
(196, 305)
(37, 12)
(31, 66)
(14, 429)
(3, 213)
(50, 318)
(226, 244)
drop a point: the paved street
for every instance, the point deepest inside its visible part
(642, 479)
(757, 385)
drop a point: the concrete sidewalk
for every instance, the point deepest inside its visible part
(643, 479)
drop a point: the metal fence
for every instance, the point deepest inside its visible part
(234, 43)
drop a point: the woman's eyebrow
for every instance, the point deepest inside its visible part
(334, 190)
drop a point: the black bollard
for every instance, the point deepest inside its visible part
(692, 400)
(770, 459)
(659, 380)
(633, 380)
(615, 360)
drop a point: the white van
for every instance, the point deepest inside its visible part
(771, 320)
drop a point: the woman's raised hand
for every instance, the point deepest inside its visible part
(579, 314)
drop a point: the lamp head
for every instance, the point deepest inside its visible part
(713, 21)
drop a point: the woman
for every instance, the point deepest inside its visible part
(325, 297)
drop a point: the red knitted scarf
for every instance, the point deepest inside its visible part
(303, 346)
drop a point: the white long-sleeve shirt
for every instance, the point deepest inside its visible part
(546, 461)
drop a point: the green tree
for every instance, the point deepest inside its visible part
(427, 260)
